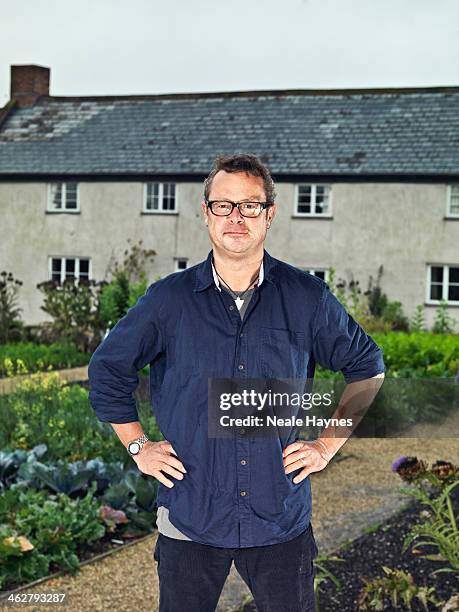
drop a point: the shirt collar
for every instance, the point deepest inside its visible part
(204, 276)
(217, 281)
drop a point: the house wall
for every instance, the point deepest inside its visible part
(401, 226)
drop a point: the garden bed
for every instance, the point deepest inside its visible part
(365, 556)
(87, 554)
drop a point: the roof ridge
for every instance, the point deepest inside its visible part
(261, 93)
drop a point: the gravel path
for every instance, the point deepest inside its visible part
(348, 496)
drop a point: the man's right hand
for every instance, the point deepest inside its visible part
(158, 457)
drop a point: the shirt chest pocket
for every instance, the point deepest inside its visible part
(283, 353)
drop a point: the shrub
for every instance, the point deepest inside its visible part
(438, 529)
(52, 527)
(44, 409)
(417, 323)
(372, 308)
(420, 354)
(129, 282)
(26, 357)
(9, 309)
(73, 308)
(394, 588)
(444, 323)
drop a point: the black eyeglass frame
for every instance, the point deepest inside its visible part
(237, 205)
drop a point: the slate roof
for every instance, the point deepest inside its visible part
(344, 133)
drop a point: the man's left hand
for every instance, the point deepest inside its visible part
(306, 455)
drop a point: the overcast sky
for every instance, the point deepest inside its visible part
(110, 47)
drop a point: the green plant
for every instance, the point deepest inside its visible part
(44, 409)
(11, 462)
(419, 354)
(19, 560)
(322, 574)
(9, 309)
(377, 300)
(129, 282)
(136, 495)
(50, 528)
(395, 587)
(73, 308)
(27, 357)
(432, 488)
(439, 530)
(73, 479)
(417, 323)
(444, 323)
(372, 309)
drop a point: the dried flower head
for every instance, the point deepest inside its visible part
(445, 470)
(409, 468)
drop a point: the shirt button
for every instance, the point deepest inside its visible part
(231, 307)
(241, 366)
(242, 430)
(243, 493)
(241, 334)
(243, 462)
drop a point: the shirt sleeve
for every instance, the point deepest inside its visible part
(340, 344)
(113, 369)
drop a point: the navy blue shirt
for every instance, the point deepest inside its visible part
(235, 492)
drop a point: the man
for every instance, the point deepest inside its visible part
(241, 314)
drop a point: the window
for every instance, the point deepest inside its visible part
(160, 197)
(443, 284)
(320, 272)
(313, 201)
(62, 268)
(181, 263)
(453, 201)
(63, 197)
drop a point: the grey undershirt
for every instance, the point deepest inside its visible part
(162, 516)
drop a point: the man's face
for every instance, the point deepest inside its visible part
(235, 233)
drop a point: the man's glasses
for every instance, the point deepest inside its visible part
(223, 208)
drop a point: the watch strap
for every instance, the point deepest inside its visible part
(140, 441)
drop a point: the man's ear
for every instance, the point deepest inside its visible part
(270, 213)
(204, 212)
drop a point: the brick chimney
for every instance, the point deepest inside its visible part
(28, 83)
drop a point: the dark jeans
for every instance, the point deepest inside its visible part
(279, 576)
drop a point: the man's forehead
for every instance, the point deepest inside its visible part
(238, 180)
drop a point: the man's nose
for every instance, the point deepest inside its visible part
(235, 216)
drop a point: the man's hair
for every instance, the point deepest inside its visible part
(242, 162)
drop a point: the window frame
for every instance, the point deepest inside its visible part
(62, 210)
(64, 259)
(177, 260)
(160, 211)
(312, 270)
(449, 193)
(315, 215)
(445, 284)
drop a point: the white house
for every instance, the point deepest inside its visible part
(364, 178)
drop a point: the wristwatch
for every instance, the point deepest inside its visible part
(135, 446)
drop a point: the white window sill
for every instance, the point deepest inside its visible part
(309, 216)
(159, 212)
(437, 303)
(62, 212)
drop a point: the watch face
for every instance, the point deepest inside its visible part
(134, 448)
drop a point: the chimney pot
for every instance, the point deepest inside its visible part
(28, 83)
